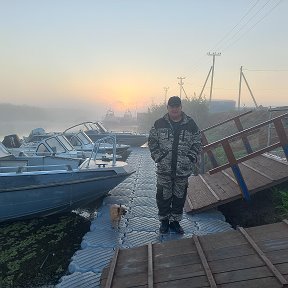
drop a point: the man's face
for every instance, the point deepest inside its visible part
(175, 112)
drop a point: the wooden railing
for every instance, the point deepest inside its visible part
(239, 127)
(233, 162)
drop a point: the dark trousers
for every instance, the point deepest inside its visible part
(171, 196)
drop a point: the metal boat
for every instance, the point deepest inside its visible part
(44, 185)
(96, 130)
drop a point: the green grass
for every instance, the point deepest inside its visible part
(280, 195)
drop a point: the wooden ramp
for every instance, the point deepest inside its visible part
(238, 177)
(206, 191)
(252, 257)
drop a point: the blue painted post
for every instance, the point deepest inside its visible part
(241, 182)
(236, 170)
(285, 149)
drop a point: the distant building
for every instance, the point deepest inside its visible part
(222, 105)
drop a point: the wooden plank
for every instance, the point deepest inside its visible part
(222, 185)
(204, 262)
(278, 256)
(283, 268)
(150, 266)
(198, 193)
(194, 282)
(188, 204)
(235, 263)
(177, 273)
(176, 261)
(245, 158)
(257, 171)
(268, 231)
(112, 269)
(229, 252)
(209, 188)
(221, 240)
(253, 179)
(276, 159)
(132, 280)
(275, 169)
(242, 275)
(230, 176)
(172, 248)
(258, 152)
(268, 282)
(273, 244)
(133, 255)
(269, 264)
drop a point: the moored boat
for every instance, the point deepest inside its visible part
(44, 185)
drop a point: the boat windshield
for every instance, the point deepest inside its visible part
(65, 142)
(101, 127)
(84, 138)
(55, 145)
(92, 126)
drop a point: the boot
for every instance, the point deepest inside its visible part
(175, 226)
(164, 226)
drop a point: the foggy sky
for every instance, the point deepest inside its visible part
(120, 54)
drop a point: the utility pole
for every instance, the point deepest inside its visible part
(205, 83)
(165, 96)
(212, 76)
(181, 85)
(250, 91)
(240, 85)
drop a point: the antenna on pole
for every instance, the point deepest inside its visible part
(165, 96)
(212, 76)
(181, 86)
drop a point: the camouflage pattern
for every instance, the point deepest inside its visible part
(175, 153)
(162, 140)
(170, 197)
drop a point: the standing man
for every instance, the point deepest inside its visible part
(175, 143)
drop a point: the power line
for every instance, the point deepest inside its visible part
(229, 32)
(251, 27)
(200, 62)
(268, 70)
(248, 21)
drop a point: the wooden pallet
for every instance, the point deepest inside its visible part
(252, 257)
(206, 191)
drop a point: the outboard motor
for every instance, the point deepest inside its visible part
(12, 141)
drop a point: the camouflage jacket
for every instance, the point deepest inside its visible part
(175, 151)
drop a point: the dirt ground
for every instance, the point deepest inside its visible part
(261, 210)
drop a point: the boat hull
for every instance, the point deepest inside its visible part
(50, 193)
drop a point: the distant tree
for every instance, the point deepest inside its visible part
(197, 108)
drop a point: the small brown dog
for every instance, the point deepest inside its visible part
(116, 211)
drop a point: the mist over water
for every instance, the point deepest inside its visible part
(21, 120)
